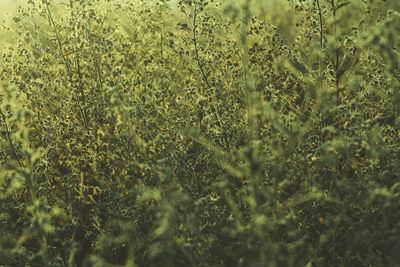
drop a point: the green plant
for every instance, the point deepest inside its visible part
(201, 132)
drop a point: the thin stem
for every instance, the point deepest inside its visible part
(321, 43)
(96, 62)
(116, 80)
(164, 75)
(83, 98)
(60, 46)
(245, 62)
(162, 54)
(196, 50)
(29, 186)
(321, 39)
(100, 84)
(336, 49)
(63, 55)
(8, 133)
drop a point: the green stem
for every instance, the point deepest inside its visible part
(336, 49)
(321, 43)
(196, 50)
(245, 62)
(63, 56)
(8, 133)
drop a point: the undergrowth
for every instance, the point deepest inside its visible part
(201, 133)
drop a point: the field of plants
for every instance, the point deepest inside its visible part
(200, 133)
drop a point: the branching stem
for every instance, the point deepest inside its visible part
(64, 57)
(196, 50)
(8, 133)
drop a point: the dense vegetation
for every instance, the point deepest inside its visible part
(201, 133)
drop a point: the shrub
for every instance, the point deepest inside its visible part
(201, 133)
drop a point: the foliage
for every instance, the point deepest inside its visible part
(201, 133)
